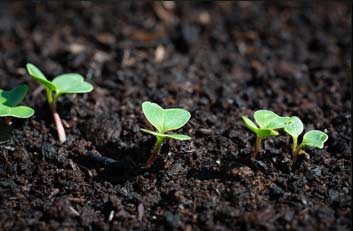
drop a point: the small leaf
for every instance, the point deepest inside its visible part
(178, 136)
(294, 126)
(71, 83)
(172, 136)
(38, 75)
(18, 112)
(264, 132)
(315, 139)
(269, 119)
(13, 97)
(249, 124)
(175, 118)
(154, 114)
(156, 134)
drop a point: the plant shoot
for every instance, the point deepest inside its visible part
(313, 138)
(163, 120)
(266, 123)
(69, 83)
(9, 101)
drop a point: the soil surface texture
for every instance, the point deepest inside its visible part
(218, 60)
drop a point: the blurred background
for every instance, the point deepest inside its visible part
(217, 59)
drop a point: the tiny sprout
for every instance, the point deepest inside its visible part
(69, 83)
(164, 120)
(267, 122)
(313, 138)
(9, 101)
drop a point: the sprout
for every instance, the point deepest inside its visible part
(9, 101)
(63, 84)
(267, 122)
(313, 138)
(163, 120)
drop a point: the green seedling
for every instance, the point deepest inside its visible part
(9, 101)
(266, 123)
(313, 138)
(163, 120)
(69, 83)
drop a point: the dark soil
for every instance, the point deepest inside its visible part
(219, 60)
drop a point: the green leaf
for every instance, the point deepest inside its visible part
(175, 118)
(249, 124)
(315, 139)
(294, 126)
(165, 119)
(71, 83)
(172, 136)
(13, 97)
(262, 132)
(154, 114)
(18, 112)
(269, 119)
(178, 136)
(38, 75)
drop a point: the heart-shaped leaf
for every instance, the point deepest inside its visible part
(165, 120)
(18, 112)
(314, 138)
(269, 119)
(294, 126)
(71, 83)
(13, 97)
(38, 75)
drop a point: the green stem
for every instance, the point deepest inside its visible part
(296, 152)
(257, 147)
(155, 151)
(50, 98)
(294, 145)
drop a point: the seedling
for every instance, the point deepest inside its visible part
(9, 101)
(163, 120)
(267, 122)
(313, 138)
(69, 83)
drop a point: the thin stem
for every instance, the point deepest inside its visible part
(59, 127)
(294, 145)
(257, 147)
(155, 151)
(50, 98)
(296, 152)
(8, 121)
(57, 120)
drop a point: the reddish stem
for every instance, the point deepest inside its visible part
(59, 127)
(257, 148)
(154, 153)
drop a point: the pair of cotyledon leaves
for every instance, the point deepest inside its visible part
(165, 120)
(9, 101)
(62, 84)
(68, 83)
(268, 121)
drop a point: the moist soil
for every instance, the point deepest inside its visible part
(219, 60)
